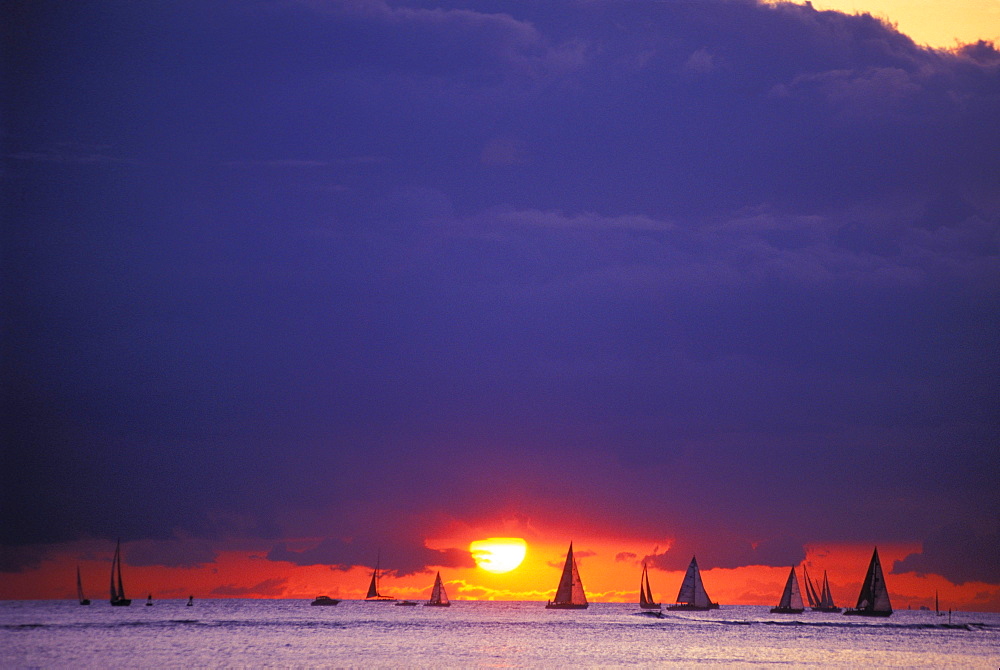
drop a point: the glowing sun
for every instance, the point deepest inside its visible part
(498, 554)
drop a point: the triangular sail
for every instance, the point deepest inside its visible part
(438, 594)
(115, 595)
(791, 597)
(692, 590)
(874, 596)
(121, 589)
(811, 595)
(826, 599)
(570, 590)
(79, 586)
(373, 587)
(645, 593)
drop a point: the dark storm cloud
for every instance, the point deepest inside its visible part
(276, 264)
(173, 553)
(401, 559)
(980, 554)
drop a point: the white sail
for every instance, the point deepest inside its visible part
(791, 597)
(874, 597)
(692, 590)
(879, 590)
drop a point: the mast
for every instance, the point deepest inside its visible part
(114, 562)
(569, 593)
(692, 589)
(794, 596)
(814, 599)
(373, 587)
(645, 593)
(880, 591)
(79, 589)
(438, 594)
(121, 589)
(826, 599)
(874, 597)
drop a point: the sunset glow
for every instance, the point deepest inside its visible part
(413, 288)
(931, 22)
(498, 554)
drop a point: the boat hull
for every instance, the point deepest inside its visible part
(85, 601)
(567, 606)
(322, 601)
(121, 602)
(880, 613)
(786, 610)
(693, 608)
(380, 600)
(437, 604)
(650, 606)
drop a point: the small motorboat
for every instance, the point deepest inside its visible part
(325, 600)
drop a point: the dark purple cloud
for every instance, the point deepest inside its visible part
(978, 554)
(402, 559)
(274, 265)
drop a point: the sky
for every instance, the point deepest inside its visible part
(292, 287)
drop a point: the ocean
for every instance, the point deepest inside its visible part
(291, 633)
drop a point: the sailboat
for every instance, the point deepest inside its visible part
(692, 595)
(79, 589)
(569, 594)
(645, 595)
(373, 593)
(118, 598)
(438, 596)
(791, 597)
(826, 598)
(812, 596)
(874, 597)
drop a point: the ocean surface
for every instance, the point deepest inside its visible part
(291, 633)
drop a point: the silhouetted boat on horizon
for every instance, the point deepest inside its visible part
(826, 598)
(118, 598)
(322, 600)
(373, 593)
(791, 597)
(79, 589)
(692, 597)
(569, 593)
(874, 597)
(645, 595)
(439, 598)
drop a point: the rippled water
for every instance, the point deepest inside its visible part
(282, 633)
